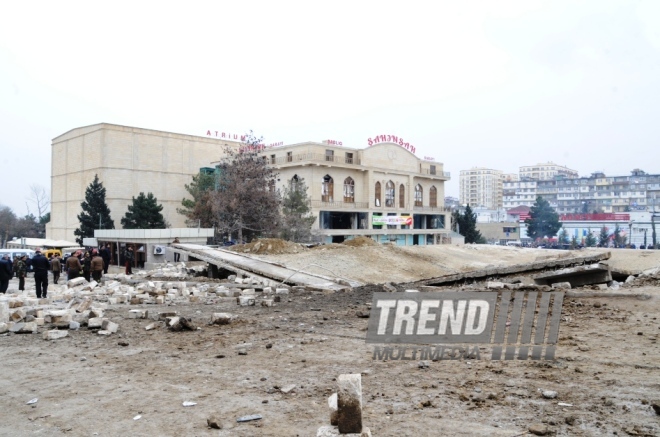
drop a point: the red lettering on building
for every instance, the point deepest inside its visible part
(391, 139)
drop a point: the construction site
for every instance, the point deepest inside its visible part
(269, 339)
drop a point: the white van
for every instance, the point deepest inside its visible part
(13, 253)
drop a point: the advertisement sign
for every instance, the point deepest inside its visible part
(391, 220)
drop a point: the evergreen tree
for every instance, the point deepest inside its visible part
(604, 237)
(95, 212)
(590, 241)
(144, 213)
(574, 242)
(562, 237)
(198, 210)
(619, 240)
(468, 227)
(297, 219)
(543, 221)
(246, 201)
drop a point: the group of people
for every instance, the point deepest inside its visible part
(39, 263)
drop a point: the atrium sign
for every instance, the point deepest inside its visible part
(391, 139)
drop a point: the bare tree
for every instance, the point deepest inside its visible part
(40, 199)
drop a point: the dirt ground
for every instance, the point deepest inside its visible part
(607, 367)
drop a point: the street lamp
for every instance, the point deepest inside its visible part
(630, 232)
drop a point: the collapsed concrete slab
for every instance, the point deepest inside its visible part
(577, 276)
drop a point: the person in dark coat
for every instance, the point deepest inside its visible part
(87, 267)
(6, 272)
(105, 254)
(21, 272)
(41, 266)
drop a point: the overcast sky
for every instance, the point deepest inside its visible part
(497, 84)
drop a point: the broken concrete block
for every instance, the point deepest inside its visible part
(577, 276)
(601, 286)
(24, 328)
(412, 291)
(222, 318)
(349, 403)
(288, 389)
(494, 284)
(95, 322)
(614, 285)
(332, 404)
(333, 431)
(15, 303)
(104, 332)
(248, 281)
(17, 315)
(76, 282)
(248, 292)
(245, 301)
(58, 316)
(3, 328)
(90, 286)
(630, 279)
(160, 300)
(238, 280)
(137, 314)
(107, 325)
(39, 321)
(55, 334)
(84, 305)
(180, 324)
(154, 325)
(561, 285)
(95, 312)
(267, 290)
(281, 291)
(267, 303)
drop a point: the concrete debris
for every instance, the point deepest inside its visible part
(180, 324)
(95, 322)
(138, 314)
(214, 421)
(4, 327)
(334, 412)
(288, 389)
(55, 334)
(539, 429)
(222, 318)
(154, 325)
(249, 418)
(245, 301)
(349, 403)
(107, 325)
(333, 431)
(561, 285)
(577, 276)
(549, 394)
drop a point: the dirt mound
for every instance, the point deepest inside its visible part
(360, 241)
(269, 246)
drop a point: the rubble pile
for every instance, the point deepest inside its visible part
(79, 303)
(271, 246)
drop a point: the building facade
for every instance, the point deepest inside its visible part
(127, 160)
(481, 187)
(546, 171)
(383, 191)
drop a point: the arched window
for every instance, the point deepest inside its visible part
(402, 196)
(433, 197)
(293, 183)
(389, 194)
(377, 193)
(327, 189)
(349, 190)
(419, 195)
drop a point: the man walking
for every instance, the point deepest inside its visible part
(56, 267)
(106, 255)
(40, 264)
(97, 266)
(21, 272)
(6, 273)
(73, 266)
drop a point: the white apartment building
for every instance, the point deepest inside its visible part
(546, 171)
(481, 187)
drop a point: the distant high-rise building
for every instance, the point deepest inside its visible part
(481, 187)
(545, 172)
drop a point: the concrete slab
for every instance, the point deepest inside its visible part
(247, 265)
(577, 276)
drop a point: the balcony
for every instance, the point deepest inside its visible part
(432, 208)
(442, 174)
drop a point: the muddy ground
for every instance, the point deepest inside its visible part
(607, 367)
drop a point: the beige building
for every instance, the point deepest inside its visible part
(128, 161)
(383, 191)
(481, 187)
(546, 171)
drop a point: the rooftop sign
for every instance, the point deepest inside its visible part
(391, 139)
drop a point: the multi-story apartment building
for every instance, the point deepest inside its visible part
(517, 193)
(481, 187)
(384, 191)
(546, 171)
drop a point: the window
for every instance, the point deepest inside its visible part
(419, 195)
(289, 156)
(377, 200)
(293, 184)
(349, 158)
(327, 189)
(389, 194)
(271, 186)
(349, 190)
(432, 169)
(433, 197)
(402, 196)
(330, 155)
(272, 159)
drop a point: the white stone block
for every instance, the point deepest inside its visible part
(95, 322)
(268, 290)
(281, 291)
(248, 292)
(246, 301)
(222, 318)
(76, 282)
(103, 332)
(107, 325)
(4, 327)
(349, 403)
(267, 303)
(494, 284)
(54, 334)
